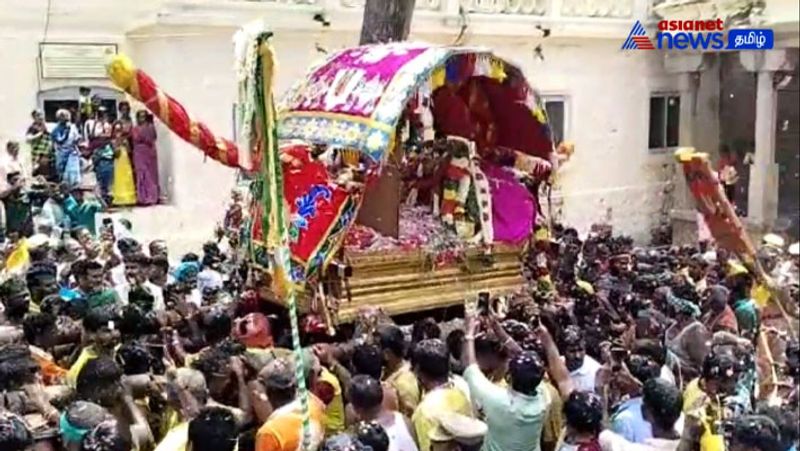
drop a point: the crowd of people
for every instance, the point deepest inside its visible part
(93, 149)
(110, 344)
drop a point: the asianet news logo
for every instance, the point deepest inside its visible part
(698, 35)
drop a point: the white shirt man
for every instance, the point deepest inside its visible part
(10, 163)
(611, 441)
(583, 378)
(124, 289)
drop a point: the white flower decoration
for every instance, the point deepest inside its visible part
(376, 140)
(352, 133)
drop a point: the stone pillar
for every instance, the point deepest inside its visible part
(688, 69)
(688, 84)
(762, 200)
(763, 190)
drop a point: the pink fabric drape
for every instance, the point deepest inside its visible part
(513, 207)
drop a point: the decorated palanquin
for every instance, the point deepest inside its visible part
(457, 130)
(452, 141)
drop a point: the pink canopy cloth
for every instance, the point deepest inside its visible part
(513, 206)
(358, 96)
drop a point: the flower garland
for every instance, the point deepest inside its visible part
(245, 67)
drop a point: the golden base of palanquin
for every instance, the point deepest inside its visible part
(406, 281)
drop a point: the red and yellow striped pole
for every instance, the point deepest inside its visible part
(140, 86)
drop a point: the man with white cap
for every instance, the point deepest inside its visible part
(788, 270)
(456, 432)
(782, 272)
(770, 252)
(773, 241)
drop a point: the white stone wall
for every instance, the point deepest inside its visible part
(612, 173)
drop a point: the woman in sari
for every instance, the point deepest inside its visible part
(65, 141)
(123, 190)
(145, 160)
(124, 118)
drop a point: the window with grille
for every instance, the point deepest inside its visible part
(556, 108)
(665, 114)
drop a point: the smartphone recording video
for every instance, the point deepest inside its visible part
(484, 300)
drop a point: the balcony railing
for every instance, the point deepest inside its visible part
(597, 8)
(612, 9)
(604, 19)
(526, 7)
(429, 5)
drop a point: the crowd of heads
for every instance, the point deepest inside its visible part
(105, 340)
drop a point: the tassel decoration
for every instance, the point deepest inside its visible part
(438, 78)
(497, 70)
